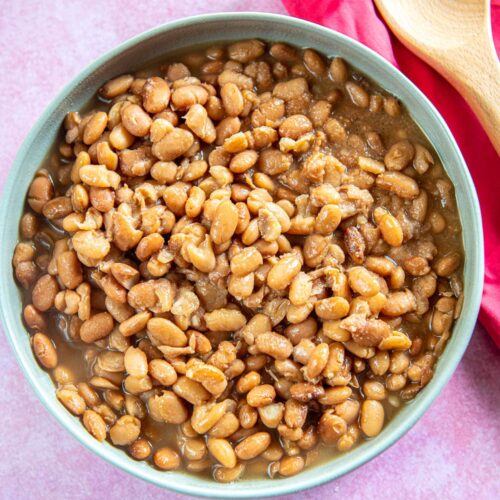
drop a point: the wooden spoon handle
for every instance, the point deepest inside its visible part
(479, 85)
(458, 44)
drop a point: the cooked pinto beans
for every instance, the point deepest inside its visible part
(244, 259)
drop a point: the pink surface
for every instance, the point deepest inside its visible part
(453, 452)
(360, 20)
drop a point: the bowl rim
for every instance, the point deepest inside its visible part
(210, 488)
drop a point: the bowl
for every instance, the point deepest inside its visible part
(150, 46)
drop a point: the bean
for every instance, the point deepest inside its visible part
(374, 390)
(69, 269)
(332, 308)
(246, 261)
(167, 407)
(95, 127)
(134, 406)
(97, 327)
(120, 138)
(135, 120)
(224, 320)
(289, 466)
(26, 273)
(88, 394)
(274, 345)
(166, 459)
(283, 52)
(271, 415)
(416, 266)
(29, 225)
(90, 245)
(391, 106)
(282, 273)
(246, 51)
(222, 451)
(224, 222)
(116, 86)
(204, 417)
(399, 155)
(318, 360)
(232, 99)
(165, 332)
(347, 440)
(243, 161)
(137, 385)
(291, 89)
(305, 392)
(194, 449)
(338, 70)
(261, 395)
(173, 144)
(390, 227)
(57, 208)
(71, 400)
(162, 371)
(63, 376)
(328, 219)
(40, 192)
(274, 162)
(314, 62)
(242, 259)
(44, 350)
(247, 416)
(399, 184)
(156, 94)
(136, 363)
(140, 449)
(44, 292)
(363, 281)
(225, 427)
(94, 424)
(370, 165)
(335, 395)
(194, 203)
(295, 126)
(422, 160)
(228, 475)
(211, 378)
(134, 323)
(188, 95)
(372, 417)
(359, 96)
(253, 445)
(447, 264)
(34, 318)
(198, 121)
(399, 303)
(331, 427)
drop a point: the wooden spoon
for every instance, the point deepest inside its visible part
(454, 37)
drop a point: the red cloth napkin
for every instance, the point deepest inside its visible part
(360, 20)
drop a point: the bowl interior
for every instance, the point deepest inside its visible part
(182, 34)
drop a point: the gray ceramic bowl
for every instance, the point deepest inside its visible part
(151, 46)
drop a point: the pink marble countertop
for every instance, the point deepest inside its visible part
(454, 450)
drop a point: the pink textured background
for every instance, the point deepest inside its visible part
(453, 452)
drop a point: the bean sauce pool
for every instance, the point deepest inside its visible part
(386, 246)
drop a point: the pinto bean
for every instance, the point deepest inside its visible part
(156, 94)
(44, 350)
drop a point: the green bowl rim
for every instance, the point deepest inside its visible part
(307, 479)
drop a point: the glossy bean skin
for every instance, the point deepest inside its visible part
(372, 417)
